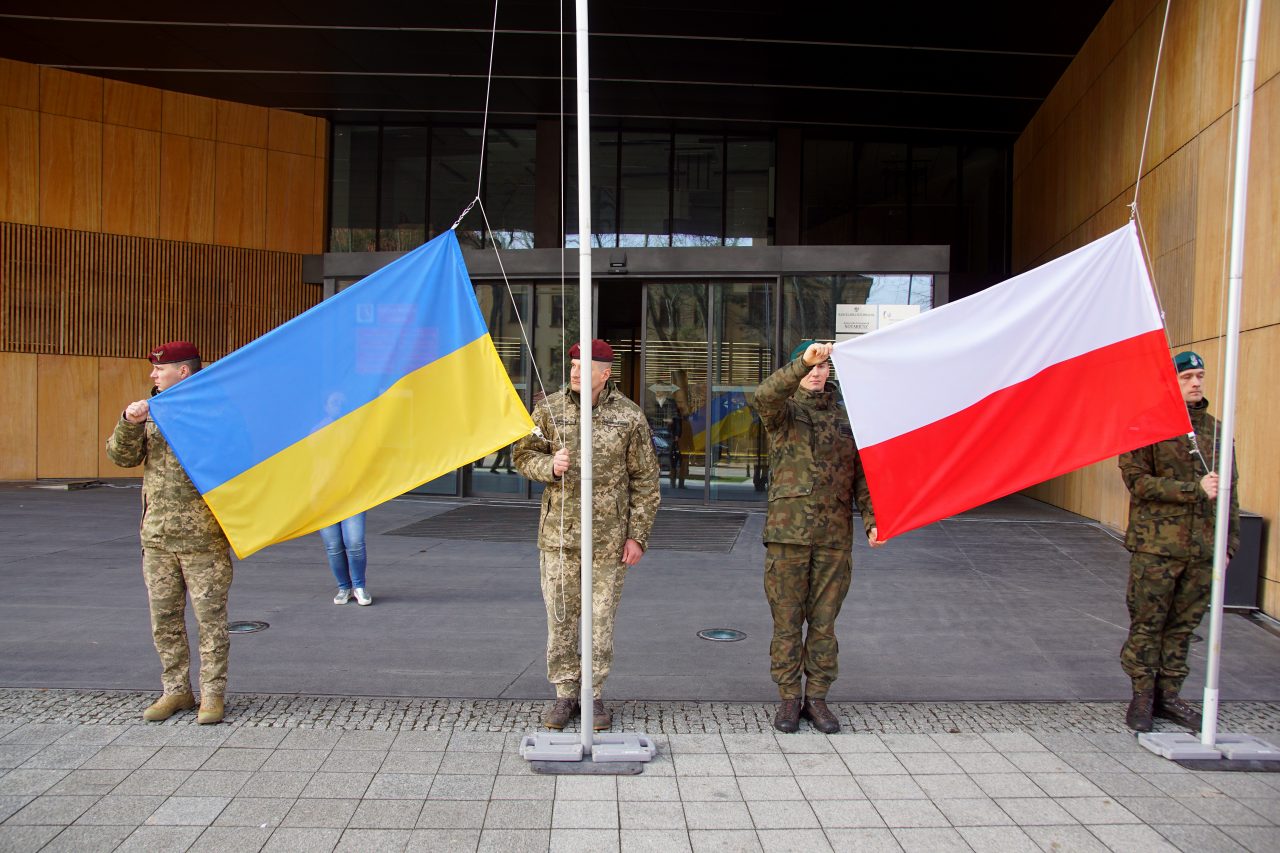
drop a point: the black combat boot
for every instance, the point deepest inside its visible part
(820, 716)
(1138, 717)
(561, 713)
(1171, 706)
(787, 718)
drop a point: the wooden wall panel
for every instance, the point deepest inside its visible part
(290, 202)
(20, 173)
(66, 415)
(1261, 302)
(239, 196)
(17, 416)
(81, 293)
(1074, 173)
(241, 124)
(186, 189)
(67, 94)
(19, 85)
(187, 115)
(292, 132)
(120, 382)
(130, 181)
(70, 173)
(132, 106)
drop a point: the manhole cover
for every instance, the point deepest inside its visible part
(246, 627)
(722, 635)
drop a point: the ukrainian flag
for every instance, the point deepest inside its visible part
(391, 383)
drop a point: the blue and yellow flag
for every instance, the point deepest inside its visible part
(391, 383)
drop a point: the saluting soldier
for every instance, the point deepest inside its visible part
(184, 551)
(624, 502)
(815, 476)
(1173, 494)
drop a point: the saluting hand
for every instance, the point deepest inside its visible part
(816, 354)
(136, 413)
(560, 462)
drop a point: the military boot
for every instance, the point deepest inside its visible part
(820, 716)
(168, 705)
(787, 718)
(1171, 706)
(560, 713)
(211, 709)
(1138, 717)
(601, 719)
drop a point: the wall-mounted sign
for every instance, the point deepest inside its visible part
(855, 320)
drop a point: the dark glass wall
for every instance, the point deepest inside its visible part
(393, 187)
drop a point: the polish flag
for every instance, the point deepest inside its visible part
(1057, 368)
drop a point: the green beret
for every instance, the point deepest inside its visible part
(1187, 361)
(801, 347)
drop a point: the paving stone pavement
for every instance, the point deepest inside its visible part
(80, 771)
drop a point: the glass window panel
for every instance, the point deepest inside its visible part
(494, 474)
(809, 305)
(402, 225)
(881, 193)
(455, 163)
(934, 194)
(675, 383)
(741, 357)
(645, 194)
(980, 254)
(354, 188)
(828, 187)
(698, 190)
(508, 191)
(749, 192)
(604, 191)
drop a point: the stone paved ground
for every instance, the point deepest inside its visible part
(79, 771)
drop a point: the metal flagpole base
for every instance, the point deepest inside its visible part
(1184, 746)
(619, 754)
(1246, 748)
(1178, 746)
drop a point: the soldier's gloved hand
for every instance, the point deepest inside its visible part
(873, 538)
(560, 462)
(136, 413)
(632, 552)
(1209, 483)
(816, 354)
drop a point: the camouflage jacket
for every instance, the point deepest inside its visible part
(625, 491)
(815, 474)
(1169, 514)
(174, 515)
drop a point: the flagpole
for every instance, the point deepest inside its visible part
(585, 367)
(1239, 204)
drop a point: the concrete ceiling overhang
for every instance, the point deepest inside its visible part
(727, 65)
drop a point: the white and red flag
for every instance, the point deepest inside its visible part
(1056, 368)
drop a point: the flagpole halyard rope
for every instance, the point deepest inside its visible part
(488, 88)
(1146, 132)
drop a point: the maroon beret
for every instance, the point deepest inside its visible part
(173, 351)
(600, 351)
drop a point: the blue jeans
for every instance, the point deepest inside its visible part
(344, 543)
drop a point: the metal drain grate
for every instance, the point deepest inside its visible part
(674, 530)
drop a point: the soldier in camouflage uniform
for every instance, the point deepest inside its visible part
(1173, 490)
(184, 551)
(625, 500)
(815, 475)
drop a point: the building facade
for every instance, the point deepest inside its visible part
(808, 181)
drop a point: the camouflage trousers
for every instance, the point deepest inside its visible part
(206, 577)
(562, 594)
(1167, 599)
(805, 584)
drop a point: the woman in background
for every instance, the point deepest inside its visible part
(344, 543)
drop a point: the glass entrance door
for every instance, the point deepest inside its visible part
(706, 347)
